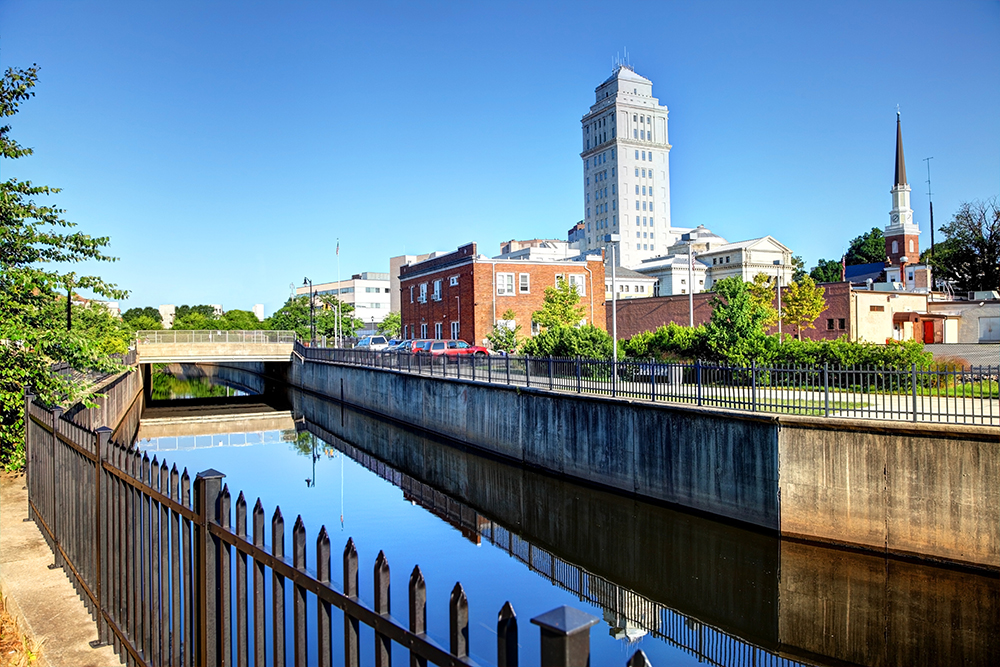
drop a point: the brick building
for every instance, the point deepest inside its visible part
(462, 294)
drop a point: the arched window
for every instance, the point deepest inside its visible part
(911, 245)
(895, 247)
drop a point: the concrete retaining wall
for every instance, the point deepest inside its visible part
(930, 491)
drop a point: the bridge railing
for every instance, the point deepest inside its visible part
(215, 336)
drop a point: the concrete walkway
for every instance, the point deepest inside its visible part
(42, 600)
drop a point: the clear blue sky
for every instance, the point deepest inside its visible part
(225, 146)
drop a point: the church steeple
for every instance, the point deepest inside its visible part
(901, 234)
(900, 162)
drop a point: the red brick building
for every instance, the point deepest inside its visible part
(637, 315)
(462, 294)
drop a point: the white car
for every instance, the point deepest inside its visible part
(372, 343)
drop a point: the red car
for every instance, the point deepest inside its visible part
(453, 348)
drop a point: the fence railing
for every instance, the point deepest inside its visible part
(215, 336)
(167, 576)
(956, 395)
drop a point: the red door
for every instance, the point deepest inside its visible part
(928, 331)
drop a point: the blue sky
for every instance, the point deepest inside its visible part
(225, 146)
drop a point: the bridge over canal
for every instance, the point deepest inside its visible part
(164, 347)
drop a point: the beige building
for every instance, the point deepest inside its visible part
(975, 321)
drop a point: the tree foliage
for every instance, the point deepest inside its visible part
(147, 312)
(569, 341)
(504, 336)
(294, 316)
(826, 271)
(969, 257)
(762, 293)
(799, 268)
(185, 310)
(560, 307)
(736, 331)
(391, 326)
(802, 304)
(35, 244)
(866, 249)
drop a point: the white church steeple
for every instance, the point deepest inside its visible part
(901, 233)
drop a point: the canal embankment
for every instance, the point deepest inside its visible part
(927, 490)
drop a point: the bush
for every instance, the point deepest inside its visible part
(563, 341)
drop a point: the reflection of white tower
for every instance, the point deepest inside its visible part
(901, 234)
(626, 169)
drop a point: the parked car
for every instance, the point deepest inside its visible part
(397, 345)
(372, 343)
(413, 346)
(454, 347)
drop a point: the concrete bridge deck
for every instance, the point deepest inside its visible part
(163, 347)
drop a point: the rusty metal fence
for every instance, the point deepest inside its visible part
(933, 394)
(172, 578)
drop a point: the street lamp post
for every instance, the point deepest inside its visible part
(690, 286)
(312, 312)
(613, 239)
(777, 289)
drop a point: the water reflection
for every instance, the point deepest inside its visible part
(683, 586)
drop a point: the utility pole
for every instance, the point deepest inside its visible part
(690, 286)
(613, 239)
(929, 201)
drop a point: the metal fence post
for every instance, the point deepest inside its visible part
(753, 386)
(101, 528)
(579, 384)
(207, 489)
(697, 375)
(507, 359)
(565, 637)
(29, 398)
(826, 389)
(507, 636)
(53, 517)
(550, 374)
(913, 379)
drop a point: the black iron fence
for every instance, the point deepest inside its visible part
(173, 578)
(941, 394)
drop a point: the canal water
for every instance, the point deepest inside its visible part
(684, 588)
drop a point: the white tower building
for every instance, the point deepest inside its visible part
(626, 170)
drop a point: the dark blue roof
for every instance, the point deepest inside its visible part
(860, 273)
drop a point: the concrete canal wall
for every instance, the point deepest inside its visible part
(927, 490)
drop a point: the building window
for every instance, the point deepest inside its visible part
(437, 329)
(842, 324)
(423, 293)
(635, 134)
(455, 330)
(505, 284)
(524, 283)
(895, 247)
(423, 330)
(437, 290)
(829, 324)
(911, 245)
(876, 309)
(577, 280)
(453, 281)
(637, 155)
(411, 293)
(727, 259)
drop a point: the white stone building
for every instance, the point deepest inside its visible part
(714, 258)
(368, 292)
(626, 170)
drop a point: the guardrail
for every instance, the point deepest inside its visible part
(157, 571)
(215, 336)
(936, 394)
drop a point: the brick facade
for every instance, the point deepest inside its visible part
(468, 293)
(637, 315)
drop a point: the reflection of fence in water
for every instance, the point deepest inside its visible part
(706, 642)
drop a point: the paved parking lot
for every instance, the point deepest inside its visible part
(982, 354)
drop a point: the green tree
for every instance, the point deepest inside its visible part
(391, 326)
(194, 320)
(185, 310)
(735, 332)
(867, 248)
(799, 268)
(147, 312)
(143, 323)
(34, 241)
(969, 257)
(568, 341)
(294, 316)
(762, 293)
(802, 304)
(239, 320)
(504, 336)
(826, 271)
(560, 307)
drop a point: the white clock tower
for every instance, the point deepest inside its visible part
(901, 234)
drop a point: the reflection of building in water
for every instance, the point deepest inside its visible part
(630, 615)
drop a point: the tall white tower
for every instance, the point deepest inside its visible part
(626, 169)
(901, 234)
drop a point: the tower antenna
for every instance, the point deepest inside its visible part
(930, 201)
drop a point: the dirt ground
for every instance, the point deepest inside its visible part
(16, 650)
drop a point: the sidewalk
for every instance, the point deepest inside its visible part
(42, 600)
